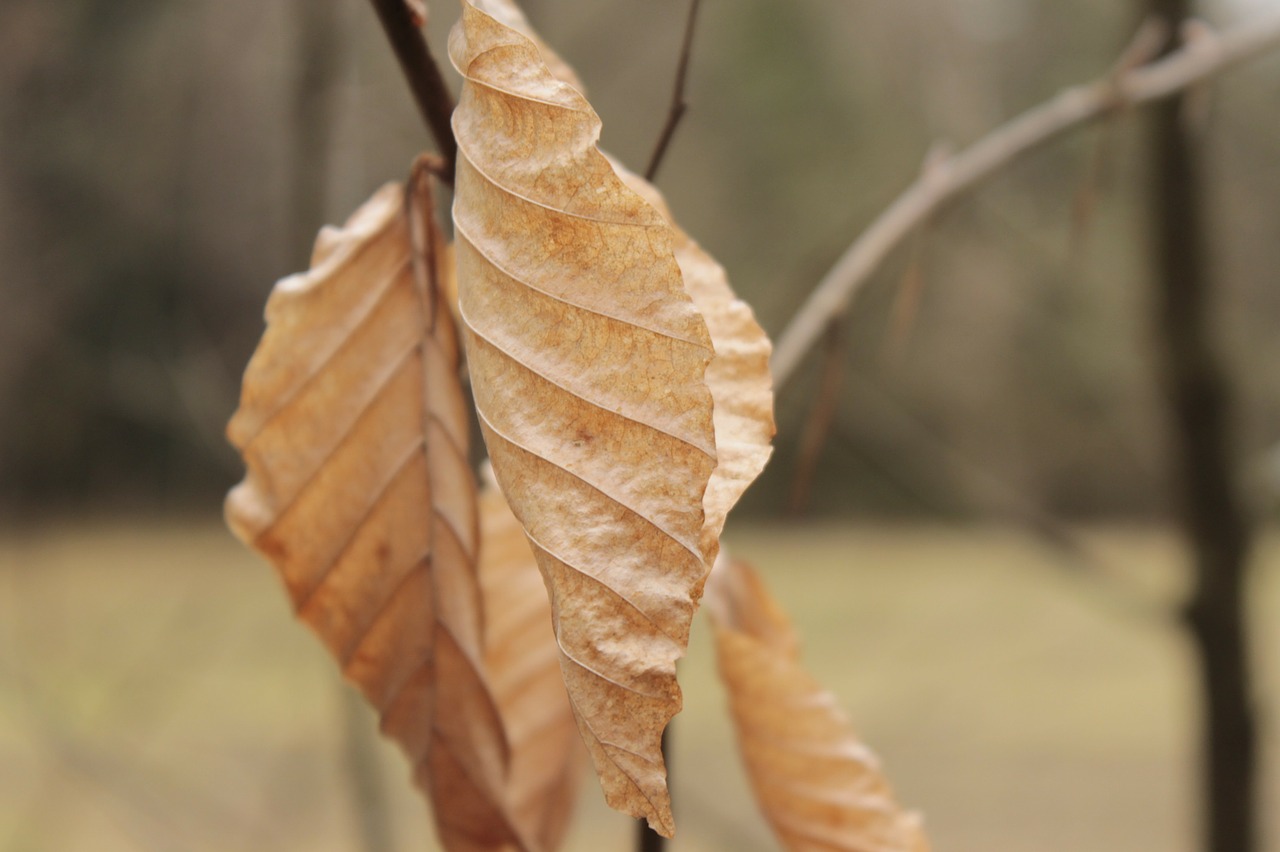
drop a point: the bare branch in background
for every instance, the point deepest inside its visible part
(678, 103)
(817, 428)
(1146, 46)
(402, 23)
(953, 176)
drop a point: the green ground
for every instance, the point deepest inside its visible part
(156, 695)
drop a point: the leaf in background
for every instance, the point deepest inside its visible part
(354, 430)
(819, 787)
(523, 664)
(587, 360)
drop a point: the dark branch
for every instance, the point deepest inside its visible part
(423, 74)
(1214, 516)
(678, 103)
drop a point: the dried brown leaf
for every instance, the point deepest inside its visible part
(817, 784)
(510, 15)
(738, 375)
(523, 664)
(547, 229)
(354, 431)
(587, 360)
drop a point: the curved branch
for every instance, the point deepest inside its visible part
(950, 176)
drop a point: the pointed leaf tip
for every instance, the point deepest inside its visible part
(623, 391)
(819, 787)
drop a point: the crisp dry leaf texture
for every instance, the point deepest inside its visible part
(588, 364)
(523, 664)
(353, 429)
(738, 376)
(817, 784)
(509, 14)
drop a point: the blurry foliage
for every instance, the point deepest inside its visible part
(147, 172)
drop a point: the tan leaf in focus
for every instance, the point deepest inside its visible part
(510, 15)
(523, 664)
(354, 433)
(738, 375)
(817, 784)
(587, 360)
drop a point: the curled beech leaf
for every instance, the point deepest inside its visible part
(582, 313)
(587, 359)
(817, 784)
(354, 431)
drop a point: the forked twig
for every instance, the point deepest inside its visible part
(678, 104)
(957, 174)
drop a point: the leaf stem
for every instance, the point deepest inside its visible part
(423, 75)
(678, 103)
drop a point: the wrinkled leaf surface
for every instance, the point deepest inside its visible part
(587, 360)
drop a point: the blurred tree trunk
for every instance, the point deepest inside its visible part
(1212, 512)
(320, 57)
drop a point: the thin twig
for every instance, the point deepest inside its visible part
(678, 103)
(1029, 131)
(1146, 46)
(818, 427)
(401, 24)
(906, 302)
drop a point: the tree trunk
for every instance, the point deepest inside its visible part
(321, 54)
(1211, 508)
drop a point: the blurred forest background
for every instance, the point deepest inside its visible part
(162, 164)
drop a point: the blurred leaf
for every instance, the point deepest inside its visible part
(354, 430)
(817, 784)
(523, 664)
